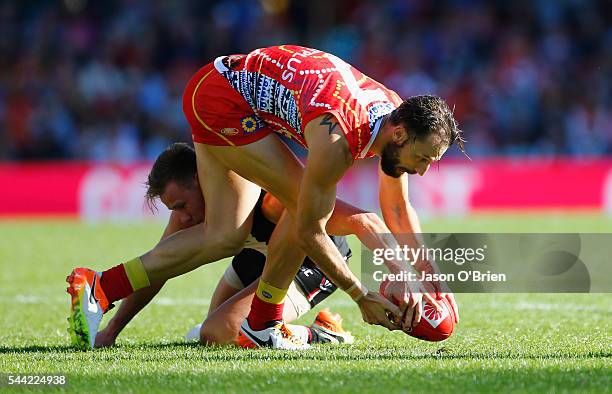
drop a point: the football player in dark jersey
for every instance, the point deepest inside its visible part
(173, 180)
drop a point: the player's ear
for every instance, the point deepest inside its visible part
(400, 134)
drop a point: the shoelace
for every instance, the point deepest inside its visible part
(287, 334)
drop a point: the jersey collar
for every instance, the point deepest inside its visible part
(375, 130)
(219, 64)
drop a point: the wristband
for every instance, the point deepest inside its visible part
(357, 291)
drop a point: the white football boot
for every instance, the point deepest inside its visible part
(277, 336)
(194, 334)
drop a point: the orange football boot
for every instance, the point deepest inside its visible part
(328, 328)
(88, 304)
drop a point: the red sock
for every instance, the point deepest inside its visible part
(115, 283)
(263, 313)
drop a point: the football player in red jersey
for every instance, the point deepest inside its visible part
(235, 107)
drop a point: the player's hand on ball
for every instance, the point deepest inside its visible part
(105, 338)
(376, 309)
(439, 287)
(410, 296)
(451, 299)
(443, 291)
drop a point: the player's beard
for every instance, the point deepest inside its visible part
(390, 158)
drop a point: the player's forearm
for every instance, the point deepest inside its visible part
(320, 248)
(347, 218)
(399, 215)
(404, 223)
(374, 234)
(369, 228)
(314, 211)
(174, 225)
(130, 307)
(328, 159)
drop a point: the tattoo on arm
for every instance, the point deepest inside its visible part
(330, 122)
(397, 211)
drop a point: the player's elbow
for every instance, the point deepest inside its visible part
(228, 243)
(231, 245)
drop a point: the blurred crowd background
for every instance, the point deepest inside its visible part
(102, 80)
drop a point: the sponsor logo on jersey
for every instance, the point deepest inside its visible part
(229, 131)
(251, 124)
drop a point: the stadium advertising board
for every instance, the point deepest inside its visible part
(115, 191)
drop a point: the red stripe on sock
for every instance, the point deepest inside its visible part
(115, 284)
(263, 312)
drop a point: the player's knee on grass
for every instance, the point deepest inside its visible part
(211, 334)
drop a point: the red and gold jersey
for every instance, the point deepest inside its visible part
(287, 86)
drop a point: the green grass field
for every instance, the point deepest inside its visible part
(504, 342)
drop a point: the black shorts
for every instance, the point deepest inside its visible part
(249, 263)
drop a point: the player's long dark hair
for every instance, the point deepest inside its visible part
(424, 115)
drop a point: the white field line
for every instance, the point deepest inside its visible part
(168, 301)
